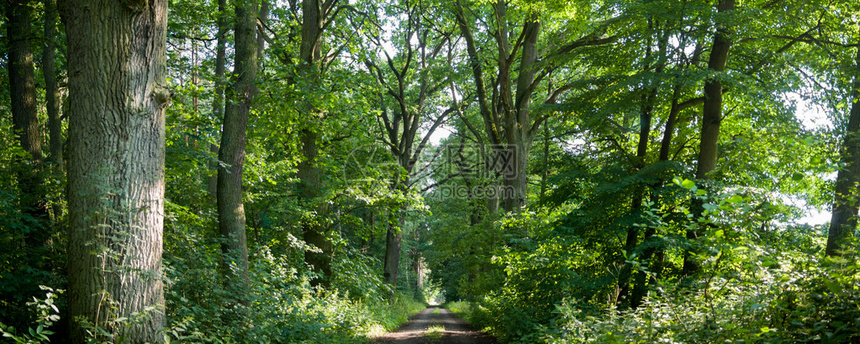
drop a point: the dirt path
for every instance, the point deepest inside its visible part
(435, 325)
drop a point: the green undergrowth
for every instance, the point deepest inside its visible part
(808, 306)
(473, 313)
(756, 284)
(280, 305)
(786, 297)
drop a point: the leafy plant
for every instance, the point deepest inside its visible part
(46, 313)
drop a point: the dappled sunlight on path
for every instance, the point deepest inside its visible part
(435, 325)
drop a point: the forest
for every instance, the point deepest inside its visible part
(317, 171)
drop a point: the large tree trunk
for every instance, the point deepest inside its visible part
(231, 209)
(309, 174)
(393, 240)
(22, 87)
(843, 221)
(315, 230)
(117, 95)
(519, 130)
(712, 111)
(712, 115)
(515, 175)
(22, 79)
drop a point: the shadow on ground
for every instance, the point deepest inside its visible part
(436, 325)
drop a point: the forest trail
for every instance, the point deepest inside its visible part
(435, 325)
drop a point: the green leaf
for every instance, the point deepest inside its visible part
(688, 184)
(797, 176)
(833, 286)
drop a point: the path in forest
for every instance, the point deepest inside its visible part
(435, 325)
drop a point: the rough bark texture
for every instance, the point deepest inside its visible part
(231, 209)
(519, 130)
(712, 115)
(843, 220)
(309, 174)
(117, 98)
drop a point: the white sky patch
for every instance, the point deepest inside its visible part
(815, 217)
(812, 215)
(441, 133)
(812, 116)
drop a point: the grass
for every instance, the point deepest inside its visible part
(434, 333)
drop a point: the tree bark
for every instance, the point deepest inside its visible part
(22, 79)
(263, 17)
(314, 231)
(520, 130)
(117, 100)
(712, 110)
(846, 202)
(393, 241)
(712, 115)
(632, 240)
(231, 209)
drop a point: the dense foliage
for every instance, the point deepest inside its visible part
(389, 143)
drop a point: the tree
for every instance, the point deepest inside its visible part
(117, 95)
(317, 15)
(712, 110)
(231, 209)
(505, 103)
(646, 114)
(843, 221)
(22, 84)
(52, 92)
(411, 81)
